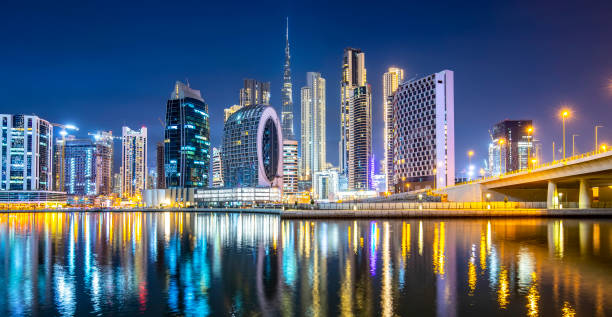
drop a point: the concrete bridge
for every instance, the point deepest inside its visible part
(574, 179)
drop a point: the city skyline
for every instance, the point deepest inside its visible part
(583, 86)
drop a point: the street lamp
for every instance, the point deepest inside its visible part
(604, 147)
(564, 114)
(470, 153)
(435, 172)
(596, 144)
(574, 143)
(529, 132)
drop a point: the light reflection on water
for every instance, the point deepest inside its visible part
(188, 263)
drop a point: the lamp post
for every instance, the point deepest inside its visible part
(435, 172)
(596, 144)
(470, 153)
(530, 137)
(574, 143)
(564, 115)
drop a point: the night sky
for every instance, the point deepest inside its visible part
(103, 65)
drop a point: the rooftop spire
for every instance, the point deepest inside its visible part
(287, 92)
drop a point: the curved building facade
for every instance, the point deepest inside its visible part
(253, 148)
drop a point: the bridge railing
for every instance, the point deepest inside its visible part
(536, 167)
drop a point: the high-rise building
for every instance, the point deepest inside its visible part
(133, 162)
(353, 75)
(230, 111)
(313, 126)
(187, 139)
(253, 148)
(424, 133)
(160, 161)
(254, 93)
(325, 185)
(513, 140)
(217, 168)
(26, 153)
(104, 142)
(117, 183)
(287, 93)
(87, 166)
(306, 134)
(360, 159)
(391, 80)
(290, 167)
(58, 165)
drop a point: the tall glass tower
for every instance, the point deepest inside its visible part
(187, 139)
(287, 94)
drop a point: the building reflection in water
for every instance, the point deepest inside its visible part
(202, 263)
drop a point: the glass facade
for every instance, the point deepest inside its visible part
(187, 139)
(252, 157)
(25, 153)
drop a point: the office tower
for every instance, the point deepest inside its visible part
(290, 167)
(133, 162)
(160, 165)
(391, 80)
(230, 111)
(152, 178)
(187, 139)
(287, 93)
(513, 140)
(325, 185)
(83, 167)
(58, 165)
(254, 93)
(313, 125)
(424, 133)
(353, 75)
(360, 160)
(26, 153)
(217, 168)
(104, 143)
(252, 148)
(117, 182)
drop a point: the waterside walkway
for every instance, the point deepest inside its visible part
(368, 213)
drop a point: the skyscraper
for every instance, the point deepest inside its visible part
(254, 93)
(133, 162)
(287, 93)
(160, 160)
(360, 160)
(187, 139)
(26, 153)
(313, 125)
(217, 168)
(290, 167)
(353, 75)
(253, 148)
(80, 167)
(104, 142)
(515, 146)
(424, 133)
(391, 80)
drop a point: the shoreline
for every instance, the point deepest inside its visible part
(366, 214)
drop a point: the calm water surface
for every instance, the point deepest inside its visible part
(230, 264)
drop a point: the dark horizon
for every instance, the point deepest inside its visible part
(103, 66)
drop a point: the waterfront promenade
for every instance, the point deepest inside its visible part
(369, 213)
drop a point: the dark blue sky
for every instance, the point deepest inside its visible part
(103, 65)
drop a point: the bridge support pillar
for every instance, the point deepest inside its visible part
(584, 199)
(552, 198)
